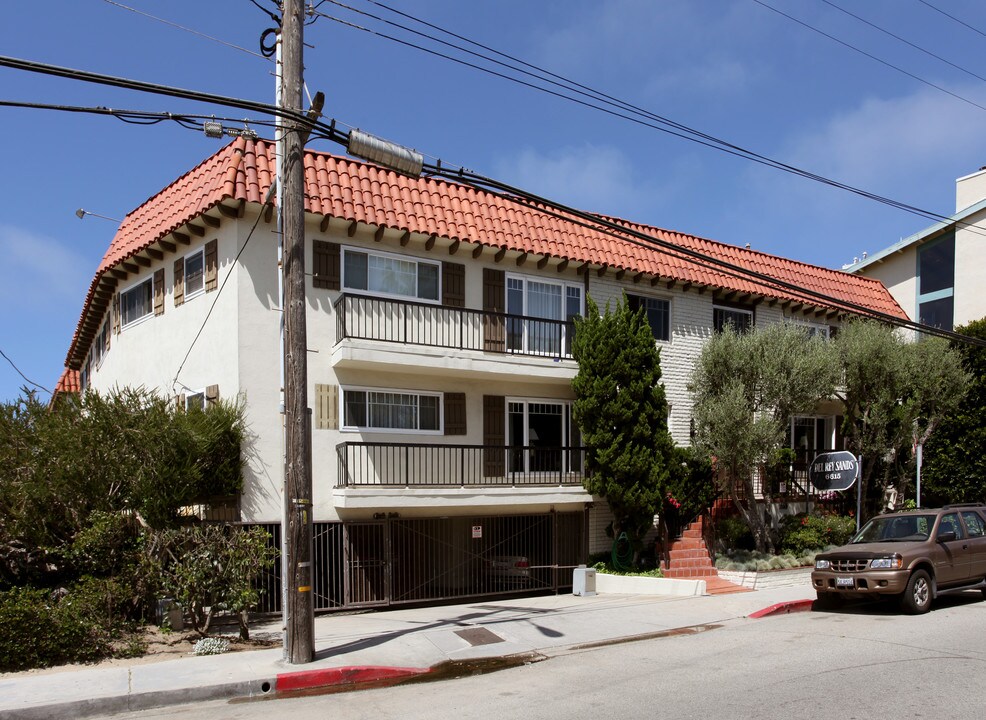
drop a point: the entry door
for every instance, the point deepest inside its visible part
(367, 576)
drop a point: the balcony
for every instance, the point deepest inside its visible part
(411, 465)
(372, 330)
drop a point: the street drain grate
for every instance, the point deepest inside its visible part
(478, 636)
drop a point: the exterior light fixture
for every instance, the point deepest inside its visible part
(81, 214)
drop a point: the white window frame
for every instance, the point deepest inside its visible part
(568, 427)
(565, 349)
(150, 305)
(738, 311)
(401, 258)
(192, 397)
(346, 390)
(188, 294)
(813, 328)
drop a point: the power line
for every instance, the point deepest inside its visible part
(329, 132)
(952, 17)
(870, 55)
(623, 232)
(25, 377)
(665, 125)
(139, 117)
(898, 37)
(187, 29)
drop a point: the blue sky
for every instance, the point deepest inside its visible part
(731, 68)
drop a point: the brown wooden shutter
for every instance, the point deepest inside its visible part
(453, 284)
(494, 437)
(106, 345)
(115, 312)
(494, 302)
(159, 292)
(211, 394)
(211, 265)
(179, 295)
(325, 264)
(455, 413)
(327, 407)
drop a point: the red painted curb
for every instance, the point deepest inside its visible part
(326, 677)
(783, 608)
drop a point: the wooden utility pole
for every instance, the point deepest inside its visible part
(299, 640)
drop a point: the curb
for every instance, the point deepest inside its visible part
(343, 676)
(782, 608)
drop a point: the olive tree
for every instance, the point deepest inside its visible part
(896, 392)
(746, 387)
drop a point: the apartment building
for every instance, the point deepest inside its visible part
(440, 319)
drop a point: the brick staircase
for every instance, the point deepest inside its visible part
(689, 557)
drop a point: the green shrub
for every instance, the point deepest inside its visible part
(752, 561)
(39, 631)
(210, 568)
(604, 567)
(733, 533)
(802, 533)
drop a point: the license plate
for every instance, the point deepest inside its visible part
(846, 582)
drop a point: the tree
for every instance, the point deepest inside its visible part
(955, 456)
(622, 412)
(128, 451)
(746, 387)
(895, 393)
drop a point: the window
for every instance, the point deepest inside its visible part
(542, 314)
(541, 436)
(658, 313)
(391, 275)
(936, 280)
(949, 523)
(810, 436)
(194, 273)
(974, 524)
(391, 410)
(137, 302)
(740, 320)
(99, 344)
(195, 400)
(813, 329)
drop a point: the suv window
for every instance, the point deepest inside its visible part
(974, 524)
(949, 523)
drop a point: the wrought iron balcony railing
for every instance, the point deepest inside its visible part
(376, 464)
(361, 317)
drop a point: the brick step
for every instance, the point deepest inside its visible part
(692, 533)
(692, 563)
(688, 544)
(679, 554)
(689, 573)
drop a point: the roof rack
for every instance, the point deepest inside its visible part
(952, 506)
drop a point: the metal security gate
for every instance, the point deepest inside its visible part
(397, 561)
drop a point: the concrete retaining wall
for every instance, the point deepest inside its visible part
(632, 585)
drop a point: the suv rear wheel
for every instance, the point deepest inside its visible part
(917, 597)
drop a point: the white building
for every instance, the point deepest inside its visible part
(439, 329)
(935, 275)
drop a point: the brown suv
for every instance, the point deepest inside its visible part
(914, 555)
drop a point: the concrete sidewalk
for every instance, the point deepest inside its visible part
(385, 647)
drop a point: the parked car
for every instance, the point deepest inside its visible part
(509, 570)
(913, 556)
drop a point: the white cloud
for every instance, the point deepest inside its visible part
(590, 177)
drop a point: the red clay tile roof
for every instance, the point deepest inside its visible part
(357, 191)
(67, 383)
